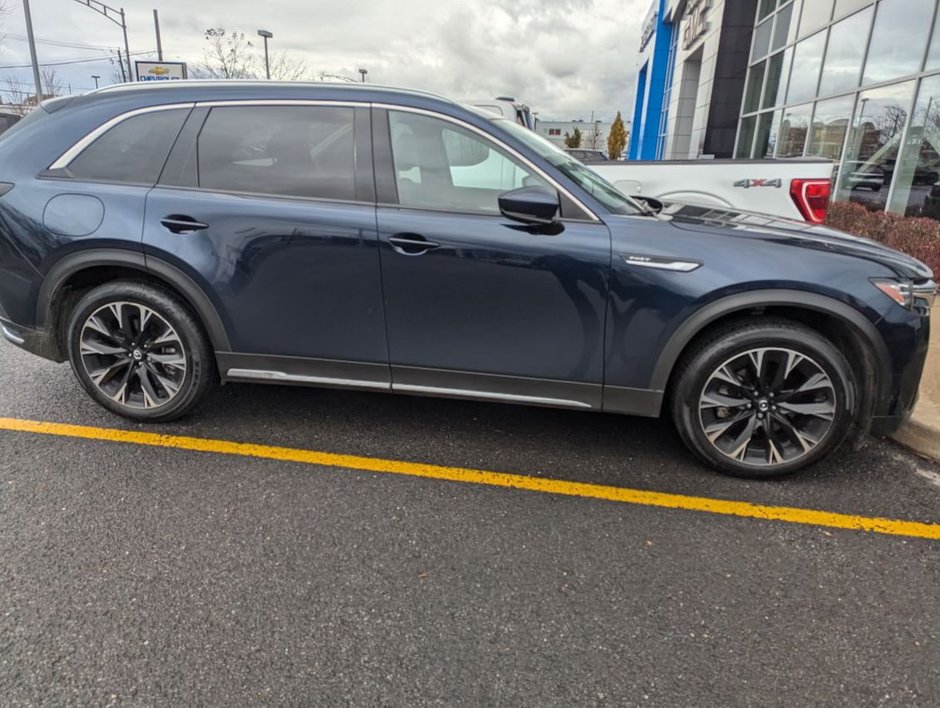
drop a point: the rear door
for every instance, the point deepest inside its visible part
(270, 209)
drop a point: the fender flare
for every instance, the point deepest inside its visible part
(694, 324)
(192, 293)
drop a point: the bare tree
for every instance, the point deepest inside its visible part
(592, 137)
(51, 83)
(18, 92)
(285, 67)
(228, 56)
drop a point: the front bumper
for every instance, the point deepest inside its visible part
(909, 344)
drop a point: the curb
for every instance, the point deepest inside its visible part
(920, 438)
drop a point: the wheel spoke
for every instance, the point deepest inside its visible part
(739, 446)
(145, 314)
(151, 397)
(720, 427)
(713, 399)
(89, 346)
(176, 361)
(803, 439)
(728, 376)
(168, 384)
(757, 361)
(104, 375)
(823, 409)
(120, 396)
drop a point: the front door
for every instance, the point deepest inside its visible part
(270, 209)
(478, 305)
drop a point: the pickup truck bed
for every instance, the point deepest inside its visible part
(794, 189)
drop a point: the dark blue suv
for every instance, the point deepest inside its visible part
(165, 238)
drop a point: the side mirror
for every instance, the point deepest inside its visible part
(530, 205)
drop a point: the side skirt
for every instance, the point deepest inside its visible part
(438, 383)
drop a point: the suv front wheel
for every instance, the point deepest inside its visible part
(764, 398)
(139, 352)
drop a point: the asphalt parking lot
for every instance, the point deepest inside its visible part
(141, 574)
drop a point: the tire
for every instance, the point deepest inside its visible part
(154, 373)
(799, 410)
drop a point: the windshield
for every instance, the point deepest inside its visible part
(598, 187)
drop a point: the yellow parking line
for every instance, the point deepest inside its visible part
(791, 515)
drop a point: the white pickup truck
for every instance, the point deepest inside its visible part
(794, 189)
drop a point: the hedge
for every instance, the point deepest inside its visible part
(915, 235)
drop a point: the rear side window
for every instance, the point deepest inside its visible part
(132, 151)
(290, 151)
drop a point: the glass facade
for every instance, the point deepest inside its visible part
(856, 82)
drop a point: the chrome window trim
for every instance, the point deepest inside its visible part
(66, 158)
(503, 146)
(73, 152)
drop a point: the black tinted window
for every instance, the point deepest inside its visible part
(133, 150)
(297, 151)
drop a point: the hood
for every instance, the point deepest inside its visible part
(794, 233)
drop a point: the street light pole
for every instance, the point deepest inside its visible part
(363, 72)
(32, 51)
(267, 65)
(96, 77)
(113, 15)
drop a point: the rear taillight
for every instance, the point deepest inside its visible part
(811, 197)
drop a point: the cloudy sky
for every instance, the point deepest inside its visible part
(565, 58)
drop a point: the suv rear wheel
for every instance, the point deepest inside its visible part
(764, 398)
(139, 352)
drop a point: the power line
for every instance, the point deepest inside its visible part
(8, 82)
(73, 61)
(61, 43)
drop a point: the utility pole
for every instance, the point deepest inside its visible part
(156, 26)
(127, 49)
(32, 51)
(120, 63)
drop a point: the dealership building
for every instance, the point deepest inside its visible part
(854, 81)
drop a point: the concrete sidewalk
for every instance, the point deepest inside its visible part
(922, 433)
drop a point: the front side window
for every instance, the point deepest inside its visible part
(133, 151)
(586, 178)
(289, 151)
(439, 165)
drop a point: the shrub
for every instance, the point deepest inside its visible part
(915, 235)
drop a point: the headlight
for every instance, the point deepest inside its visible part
(913, 296)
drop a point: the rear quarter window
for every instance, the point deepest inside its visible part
(133, 151)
